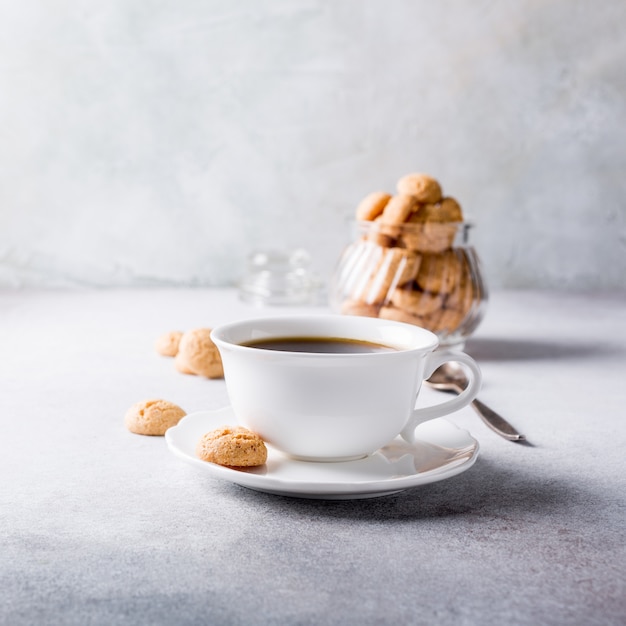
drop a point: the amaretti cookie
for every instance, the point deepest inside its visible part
(427, 236)
(232, 446)
(372, 205)
(357, 307)
(382, 234)
(395, 266)
(181, 365)
(153, 417)
(399, 208)
(446, 211)
(422, 187)
(167, 344)
(439, 273)
(197, 354)
(411, 298)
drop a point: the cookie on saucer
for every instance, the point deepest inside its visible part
(232, 446)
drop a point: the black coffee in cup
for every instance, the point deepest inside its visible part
(318, 345)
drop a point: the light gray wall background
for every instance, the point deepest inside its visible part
(159, 142)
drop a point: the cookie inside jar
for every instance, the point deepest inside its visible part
(412, 262)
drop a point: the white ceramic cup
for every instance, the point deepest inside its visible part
(334, 407)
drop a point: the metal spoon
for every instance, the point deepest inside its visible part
(451, 377)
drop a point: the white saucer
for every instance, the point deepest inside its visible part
(441, 451)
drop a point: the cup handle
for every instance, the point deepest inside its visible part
(435, 359)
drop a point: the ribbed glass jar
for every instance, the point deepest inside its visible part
(425, 274)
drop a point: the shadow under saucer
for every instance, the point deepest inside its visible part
(486, 491)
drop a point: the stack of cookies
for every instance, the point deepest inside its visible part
(409, 264)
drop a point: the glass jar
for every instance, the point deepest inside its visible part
(425, 274)
(280, 278)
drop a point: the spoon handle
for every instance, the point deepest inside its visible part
(496, 422)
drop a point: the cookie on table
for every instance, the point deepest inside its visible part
(424, 188)
(153, 417)
(197, 354)
(232, 446)
(167, 344)
(181, 365)
(372, 206)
